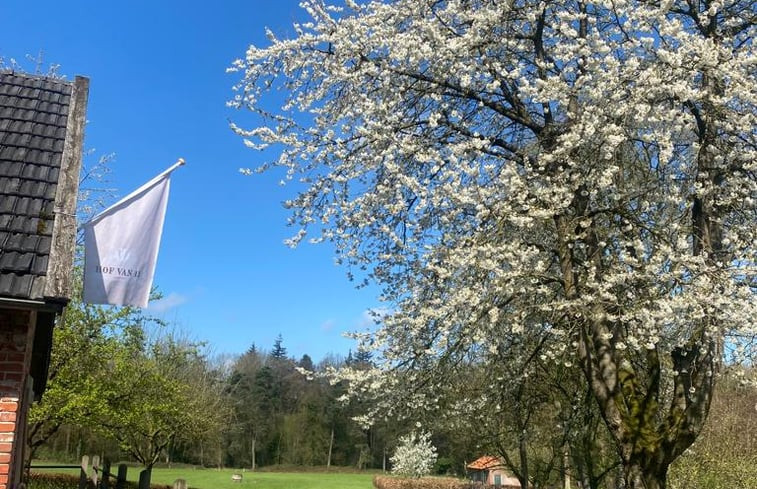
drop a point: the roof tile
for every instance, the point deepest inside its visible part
(14, 261)
(485, 462)
(6, 284)
(7, 203)
(15, 285)
(39, 267)
(33, 118)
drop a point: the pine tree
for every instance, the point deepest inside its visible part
(279, 351)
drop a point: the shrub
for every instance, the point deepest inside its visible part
(44, 480)
(415, 456)
(444, 466)
(390, 482)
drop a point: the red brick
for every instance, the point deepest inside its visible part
(4, 469)
(7, 437)
(7, 427)
(3, 480)
(13, 376)
(6, 447)
(10, 385)
(11, 367)
(5, 458)
(7, 416)
(8, 406)
(15, 357)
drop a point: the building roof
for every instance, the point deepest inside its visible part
(490, 463)
(41, 131)
(486, 462)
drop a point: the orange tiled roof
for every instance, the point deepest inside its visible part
(485, 462)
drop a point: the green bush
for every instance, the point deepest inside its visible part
(38, 480)
(52, 481)
(444, 466)
(692, 472)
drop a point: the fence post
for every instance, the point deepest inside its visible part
(121, 478)
(95, 468)
(144, 479)
(180, 484)
(83, 472)
(105, 481)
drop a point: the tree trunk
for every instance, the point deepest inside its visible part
(637, 477)
(68, 441)
(566, 470)
(252, 452)
(331, 446)
(523, 455)
(278, 448)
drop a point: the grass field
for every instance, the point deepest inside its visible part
(221, 479)
(215, 479)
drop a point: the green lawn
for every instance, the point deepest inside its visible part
(215, 479)
(221, 479)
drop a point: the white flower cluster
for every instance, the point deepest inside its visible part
(414, 456)
(578, 172)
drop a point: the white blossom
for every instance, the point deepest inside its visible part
(414, 456)
(598, 194)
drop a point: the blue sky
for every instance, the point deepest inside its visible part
(158, 88)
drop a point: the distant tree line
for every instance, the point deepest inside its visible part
(281, 417)
(121, 386)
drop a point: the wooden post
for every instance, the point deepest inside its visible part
(63, 240)
(83, 472)
(95, 468)
(144, 479)
(180, 484)
(121, 479)
(105, 482)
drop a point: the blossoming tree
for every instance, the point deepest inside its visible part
(581, 173)
(414, 456)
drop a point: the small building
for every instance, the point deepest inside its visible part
(491, 471)
(41, 133)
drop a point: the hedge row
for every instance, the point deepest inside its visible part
(388, 482)
(41, 480)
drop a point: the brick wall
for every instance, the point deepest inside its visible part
(16, 336)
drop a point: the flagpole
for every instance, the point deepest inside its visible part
(179, 162)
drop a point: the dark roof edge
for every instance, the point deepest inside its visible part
(27, 304)
(60, 265)
(37, 76)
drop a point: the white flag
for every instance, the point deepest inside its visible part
(121, 246)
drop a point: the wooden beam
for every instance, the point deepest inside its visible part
(61, 261)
